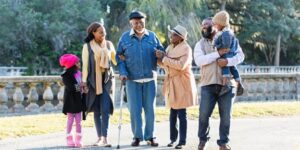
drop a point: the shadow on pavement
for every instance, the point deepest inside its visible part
(90, 147)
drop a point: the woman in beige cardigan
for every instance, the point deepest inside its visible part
(97, 76)
(179, 86)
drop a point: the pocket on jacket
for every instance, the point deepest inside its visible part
(127, 46)
(128, 53)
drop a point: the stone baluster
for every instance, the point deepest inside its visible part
(60, 96)
(3, 99)
(33, 97)
(267, 70)
(18, 98)
(47, 97)
(250, 70)
(272, 69)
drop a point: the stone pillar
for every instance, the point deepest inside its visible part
(33, 97)
(47, 97)
(3, 99)
(18, 98)
(60, 96)
(298, 87)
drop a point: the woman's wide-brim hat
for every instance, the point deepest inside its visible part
(180, 31)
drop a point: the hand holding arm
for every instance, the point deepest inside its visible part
(159, 54)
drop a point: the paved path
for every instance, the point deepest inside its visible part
(246, 134)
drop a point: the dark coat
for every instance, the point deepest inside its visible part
(73, 102)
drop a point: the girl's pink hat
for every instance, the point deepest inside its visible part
(68, 60)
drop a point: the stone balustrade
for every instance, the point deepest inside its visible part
(38, 94)
(246, 69)
(30, 94)
(268, 69)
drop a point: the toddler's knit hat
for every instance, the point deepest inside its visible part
(68, 60)
(221, 18)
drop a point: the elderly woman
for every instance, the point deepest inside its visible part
(97, 75)
(179, 86)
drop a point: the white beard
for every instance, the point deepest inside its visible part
(140, 32)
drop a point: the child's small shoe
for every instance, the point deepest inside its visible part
(97, 142)
(78, 140)
(240, 89)
(70, 142)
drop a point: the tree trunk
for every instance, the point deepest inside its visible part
(223, 4)
(277, 53)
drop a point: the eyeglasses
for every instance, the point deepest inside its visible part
(136, 23)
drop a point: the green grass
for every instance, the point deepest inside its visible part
(18, 126)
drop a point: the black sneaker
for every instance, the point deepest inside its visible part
(151, 142)
(179, 146)
(135, 142)
(170, 144)
(240, 89)
(202, 145)
(225, 147)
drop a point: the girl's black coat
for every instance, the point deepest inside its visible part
(73, 102)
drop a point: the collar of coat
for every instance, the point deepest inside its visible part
(179, 50)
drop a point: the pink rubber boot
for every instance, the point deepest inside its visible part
(78, 140)
(70, 142)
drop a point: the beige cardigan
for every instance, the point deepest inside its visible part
(179, 86)
(102, 57)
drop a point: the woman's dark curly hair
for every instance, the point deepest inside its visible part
(92, 28)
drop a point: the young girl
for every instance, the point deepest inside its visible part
(73, 105)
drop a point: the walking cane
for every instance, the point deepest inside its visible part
(120, 115)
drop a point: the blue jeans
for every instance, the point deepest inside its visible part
(139, 96)
(233, 70)
(181, 113)
(101, 113)
(209, 98)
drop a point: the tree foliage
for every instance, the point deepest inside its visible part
(265, 22)
(38, 32)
